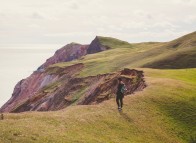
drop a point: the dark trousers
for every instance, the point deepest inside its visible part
(119, 100)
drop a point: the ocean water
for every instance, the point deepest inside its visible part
(17, 63)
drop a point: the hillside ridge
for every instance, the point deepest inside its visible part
(104, 55)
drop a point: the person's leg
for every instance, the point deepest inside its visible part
(117, 101)
(121, 102)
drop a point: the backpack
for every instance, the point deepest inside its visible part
(123, 89)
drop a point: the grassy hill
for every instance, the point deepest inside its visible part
(149, 55)
(181, 54)
(113, 42)
(164, 112)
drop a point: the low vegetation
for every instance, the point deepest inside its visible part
(154, 115)
(164, 112)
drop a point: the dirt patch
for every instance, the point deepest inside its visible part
(70, 90)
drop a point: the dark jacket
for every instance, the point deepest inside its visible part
(119, 93)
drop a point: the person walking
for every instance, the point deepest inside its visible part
(120, 93)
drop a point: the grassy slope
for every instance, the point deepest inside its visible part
(113, 42)
(181, 54)
(175, 59)
(155, 55)
(164, 112)
(115, 59)
(165, 115)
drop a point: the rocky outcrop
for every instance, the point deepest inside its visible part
(59, 90)
(30, 87)
(96, 46)
(104, 86)
(65, 54)
(55, 88)
(73, 51)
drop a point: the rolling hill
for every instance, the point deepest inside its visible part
(164, 111)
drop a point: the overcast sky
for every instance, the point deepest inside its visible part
(64, 21)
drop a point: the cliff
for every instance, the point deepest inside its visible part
(65, 54)
(54, 88)
(44, 92)
(96, 46)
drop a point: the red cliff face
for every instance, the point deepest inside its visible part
(73, 51)
(27, 88)
(67, 53)
(55, 88)
(43, 92)
(96, 46)
(31, 87)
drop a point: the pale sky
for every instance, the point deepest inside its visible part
(65, 21)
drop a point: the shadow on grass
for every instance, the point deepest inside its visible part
(125, 116)
(192, 139)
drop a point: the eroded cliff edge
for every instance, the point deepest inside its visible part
(53, 88)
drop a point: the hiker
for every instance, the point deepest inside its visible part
(120, 93)
(2, 117)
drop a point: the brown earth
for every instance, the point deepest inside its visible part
(56, 91)
(54, 88)
(65, 54)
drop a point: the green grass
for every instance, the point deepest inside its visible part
(110, 60)
(187, 41)
(177, 54)
(164, 112)
(113, 42)
(78, 95)
(182, 58)
(52, 86)
(185, 75)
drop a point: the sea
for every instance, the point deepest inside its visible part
(17, 62)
